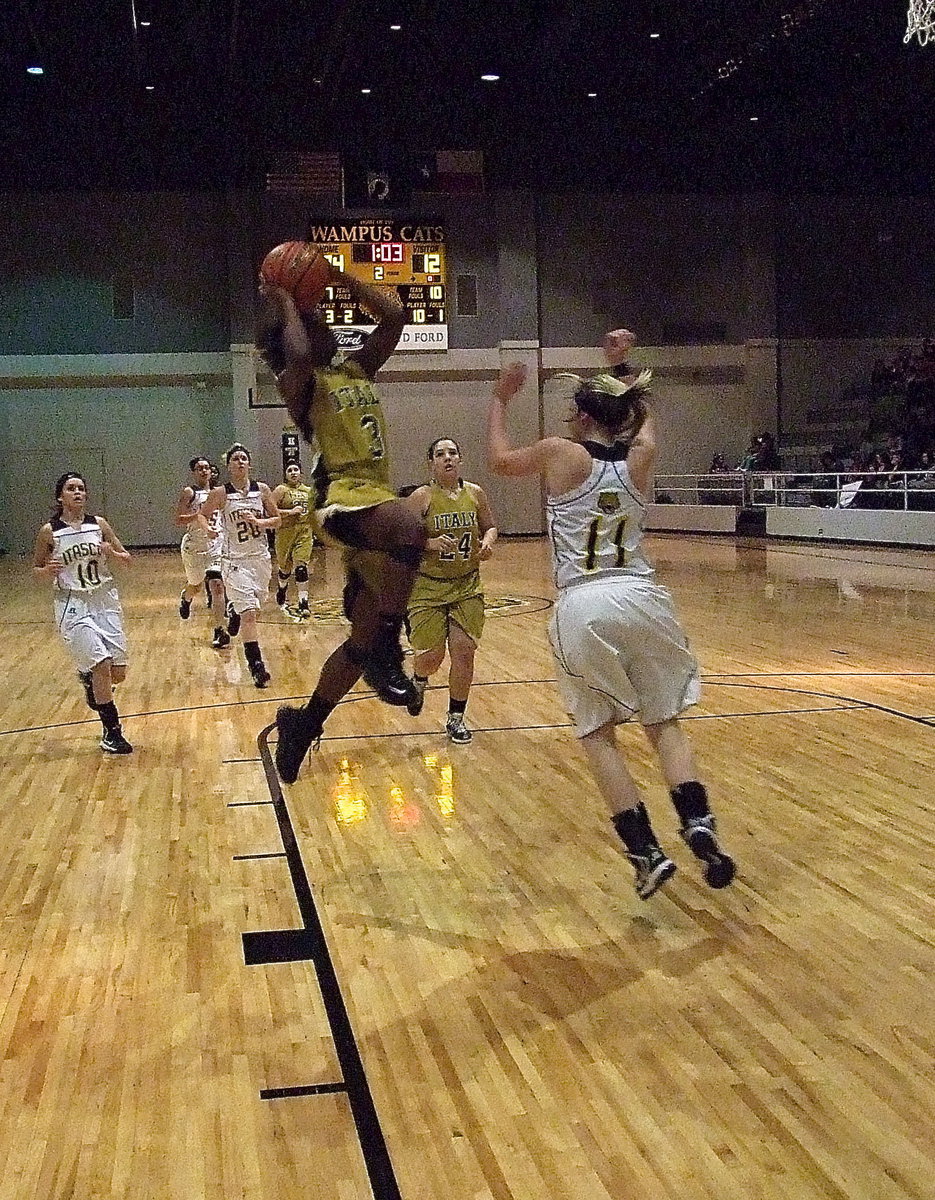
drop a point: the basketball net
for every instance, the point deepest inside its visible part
(921, 22)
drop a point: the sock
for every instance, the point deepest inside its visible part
(457, 707)
(634, 829)
(110, 718)
(691, 801)
(421, 680)
(252, 651)
(318, 710)
(302, 589)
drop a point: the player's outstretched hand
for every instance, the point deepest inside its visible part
(512, 378)
(617, 345)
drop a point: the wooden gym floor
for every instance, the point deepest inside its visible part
(422, 971)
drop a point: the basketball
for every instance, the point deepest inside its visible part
(300, 269)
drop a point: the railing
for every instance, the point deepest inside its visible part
(906, 490)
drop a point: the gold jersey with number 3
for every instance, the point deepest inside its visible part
(346, 416)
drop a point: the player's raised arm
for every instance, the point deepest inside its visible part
(385, 307)
(503, 457)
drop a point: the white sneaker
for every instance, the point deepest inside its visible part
(457, 731)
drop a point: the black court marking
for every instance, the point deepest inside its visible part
(370, 1135)
(227, 762)
(308, 1089)
(279, 945)
(247, 803)
(356, 697)
(250, 857)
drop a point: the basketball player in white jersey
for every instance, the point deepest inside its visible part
(247, 510)
(73, 550)
(618, 645)
(201, 552)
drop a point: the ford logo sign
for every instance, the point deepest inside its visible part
(349, 339)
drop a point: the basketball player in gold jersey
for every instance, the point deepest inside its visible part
(334, 401)
(295, 501)
(447, 604)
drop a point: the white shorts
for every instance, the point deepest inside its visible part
(620, 651)
(91, 626)
(197, 563)
(246, 581)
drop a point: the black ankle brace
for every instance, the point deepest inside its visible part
(634, 829)
(691, 801)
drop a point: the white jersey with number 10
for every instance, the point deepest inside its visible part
(85, 567)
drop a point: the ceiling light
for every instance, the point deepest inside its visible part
(150, 87)
(592, 95)
(146, 24)
(655, 35)
(34, 71)
(754, 118)
(490, 78)
(365, 91)
(396, 28)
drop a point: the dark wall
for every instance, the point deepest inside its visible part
(671, 267)
(680, 269)
(860, 267)
(61, 256)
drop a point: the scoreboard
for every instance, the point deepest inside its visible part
(407, 255)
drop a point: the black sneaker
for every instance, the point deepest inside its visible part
(221, 639)
(185, 607)
(417, 700)
(233, 620)
(384, 673)
(653, 868)
(281, 597)
(261, 676)
(85, 677)
(700, 838)
(457, 731)
(113, 742)
(303, 612)
(298, 733)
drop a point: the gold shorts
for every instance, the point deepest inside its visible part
(293, 546)
(435, 603)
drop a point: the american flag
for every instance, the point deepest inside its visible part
(293, 173)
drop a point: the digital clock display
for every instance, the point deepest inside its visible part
(405, 255)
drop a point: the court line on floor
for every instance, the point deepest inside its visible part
(712, 679)
(373, 1145)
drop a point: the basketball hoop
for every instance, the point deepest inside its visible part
(921, 21)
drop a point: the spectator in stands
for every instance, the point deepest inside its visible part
(825, 494)
(718, 465)
(767, 456)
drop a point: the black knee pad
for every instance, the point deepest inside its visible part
(301, 573)
(409, 556)
(212, 574)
